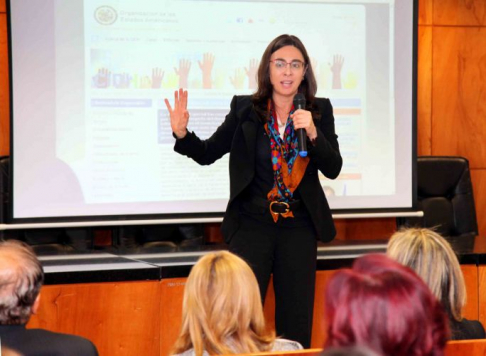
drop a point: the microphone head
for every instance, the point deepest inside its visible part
(299, 101)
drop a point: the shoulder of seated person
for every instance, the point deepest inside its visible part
(286, 345)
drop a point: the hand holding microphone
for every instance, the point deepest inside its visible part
(303, 123)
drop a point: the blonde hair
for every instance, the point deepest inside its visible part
(222, 310)
(432, 257)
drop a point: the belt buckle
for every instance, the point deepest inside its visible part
(287, 207)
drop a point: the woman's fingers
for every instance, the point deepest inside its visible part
(183, 99)
(179, 116)
(180, 101)
(169, 108)
(303, 120)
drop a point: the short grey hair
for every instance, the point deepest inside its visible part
(21, 278)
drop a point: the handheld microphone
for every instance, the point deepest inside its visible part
(299, 103)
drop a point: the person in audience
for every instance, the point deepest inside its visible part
(432, 257)
(21, 278)
(385, 306)
(5, 351)
(222, 311)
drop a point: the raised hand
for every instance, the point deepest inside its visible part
(121, 80)
(135, 81)
(251, 72)
(206, 67)
(336, 67)
(238, 79)
(157, 76)
(183, 72)
(102, 79)
(145, 82)
(179, 116)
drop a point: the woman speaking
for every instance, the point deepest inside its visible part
(277, 208)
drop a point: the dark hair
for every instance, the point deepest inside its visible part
(385, 306)
(308, 86)
(21, 278)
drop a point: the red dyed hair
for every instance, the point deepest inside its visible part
(385, 306)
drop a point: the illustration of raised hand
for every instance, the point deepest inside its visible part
(122, 80)
(183, 72)
(238, 79)
(336, 68)
(206, 67)
(251, 72)
(102, 79)
(145, 82)
(157, 76)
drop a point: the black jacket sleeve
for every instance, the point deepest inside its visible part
(208, 151)
(324, 153)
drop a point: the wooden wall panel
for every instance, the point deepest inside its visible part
(478, 177)
(120, 318)
(269, 306)
(482, 294)
(366, 229)
(346, 229)
(340, 225)
(466, 348)
(172, 293)
(4, 89)
(470, 273)
(48, 315)
(458, 93)
(425, 12)
(424, 91)
(459, 12)
(319, 328)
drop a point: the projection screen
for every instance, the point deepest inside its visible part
(91, 137)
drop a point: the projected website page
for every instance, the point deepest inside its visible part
(105, 128)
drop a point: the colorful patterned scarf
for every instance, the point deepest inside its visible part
(288, 166)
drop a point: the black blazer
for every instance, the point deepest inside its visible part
(34, 342)
(237, 135)
(466, 330)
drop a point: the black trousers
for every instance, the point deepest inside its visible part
(288, 249)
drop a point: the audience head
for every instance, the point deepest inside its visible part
(222, 310)
(433, 259)
(385, 306)
(21, 278)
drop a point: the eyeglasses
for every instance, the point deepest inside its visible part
(281, 65)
